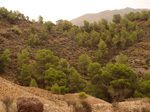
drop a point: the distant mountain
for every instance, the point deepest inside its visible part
(108, 14)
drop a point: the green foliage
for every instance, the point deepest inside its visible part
(55, 89)
(40, 19)
(59, 22)
(63, 65)
(94, 38)
(33, 40)
(53, 76)
(44, 60)
(73, 31)
(94, 90)
(115, 79)
(82, 95)
(66, 25)
(25, 75)
(144, 15)
(1, 17)
(87, 26)
(83, 63)
(122, 59)
(130, 16)
(53, 29)
(148, 22)
(104, 22)
(60, 30)
(23, 58)
(18, 15)
(94, 68)
(4, 12)
(75, 83)
(82, 38)
(33, 29)
(146, 77)
(43, 33)
(102, 51)
(103, 47)
(48, 26)
(124, 22)
(33, 83)
(143, 89)
(4, 60)
(117, 18)
(11, 17)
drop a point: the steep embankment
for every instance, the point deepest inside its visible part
(58, 103)
(51, 102)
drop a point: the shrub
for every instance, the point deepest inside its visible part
(146, 67)
(16, 29)
(33, 83)
(80, 106)
(82, 95)
(33, 40)
(4, 60)
(55, 89)
(32, 29)
(11, 18)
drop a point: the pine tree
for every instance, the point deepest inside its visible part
(33, 83)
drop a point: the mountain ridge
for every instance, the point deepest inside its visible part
(107, 14)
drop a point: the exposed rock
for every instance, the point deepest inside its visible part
(25, 104)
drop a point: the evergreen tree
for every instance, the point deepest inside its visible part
(25, 75)
(44, 60)
(33, 83)
(55, 89)
(40, 19)
(117, 18)
(4, 60)
(53, 76)
(75, 83)
(83, 63)
(122, 59)
(23, 58)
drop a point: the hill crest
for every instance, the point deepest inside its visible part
(107, 14)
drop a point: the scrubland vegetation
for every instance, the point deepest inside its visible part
(37, 66)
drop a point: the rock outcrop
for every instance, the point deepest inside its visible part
(25, 104)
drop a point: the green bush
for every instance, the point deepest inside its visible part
(146, 67)
(33, 40)
(32, 29)
(11, 18)
(33, 83)
(82, 95)
(4, 60)
(55, 89)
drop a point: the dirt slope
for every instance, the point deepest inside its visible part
(51, 102)
(58, 103)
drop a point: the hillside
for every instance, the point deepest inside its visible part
(59, 102)
(105, 60)
(108, 15)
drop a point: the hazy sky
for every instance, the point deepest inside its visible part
(54, 10)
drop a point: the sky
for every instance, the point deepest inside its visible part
(53, 10)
